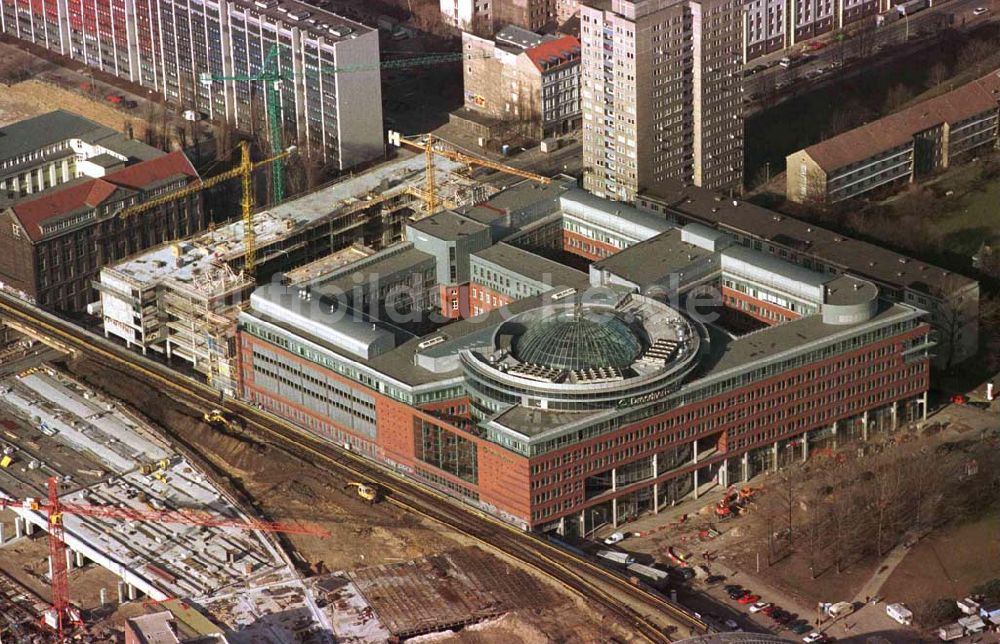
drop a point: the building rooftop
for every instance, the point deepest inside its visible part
(615, 217)
(527, 195)
(896, 129)
(771, 341)
(41, 131)
(447, 225)
(307, 17)
(876, 263)
(402, 258)
(533, 266)
(75, 197)
(555, 54)
(519, 37)
(187, 260)
(652, 260)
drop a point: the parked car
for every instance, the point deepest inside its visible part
(749, 599)
(781, 617)
(614, 538)
(681, 572)
(731, 624)
(815, 636)
(978, 11)
(771, 610)
(799, 627)
(759, 606)
(738, 593)
(714, 579)
(731, 587)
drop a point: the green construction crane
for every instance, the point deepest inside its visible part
(272, 76)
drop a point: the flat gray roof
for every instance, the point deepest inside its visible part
(533, 266)
(346, 278)
(849, 290)
(862, 258)
(447, 225)
(785, 336)
(528, 194)
(651, 260)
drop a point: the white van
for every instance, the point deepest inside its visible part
(900, 613)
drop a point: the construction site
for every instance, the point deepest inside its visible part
(189, 292)
(144, 520)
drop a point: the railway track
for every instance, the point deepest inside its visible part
(651, 616)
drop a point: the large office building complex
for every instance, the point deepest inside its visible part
(564, 399)
(951, 299)
(63, 181)
(661, 95)
(167, 45)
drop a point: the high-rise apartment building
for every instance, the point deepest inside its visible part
(661, 94)
(166, 45)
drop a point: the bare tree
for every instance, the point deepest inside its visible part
(896, 97)
(938, 73)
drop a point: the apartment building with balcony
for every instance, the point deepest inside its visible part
(526, 80)
(661, 95)
(899, 148)
(773, 25)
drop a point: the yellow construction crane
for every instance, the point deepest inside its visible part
(427, 147)
(244, 170)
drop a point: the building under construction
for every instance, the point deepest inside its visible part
(181, 299)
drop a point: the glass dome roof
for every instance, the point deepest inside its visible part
(571, 340)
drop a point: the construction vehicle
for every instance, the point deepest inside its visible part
(224, 421)
(427, 146)
(734, 501)
(273, 76)
(63, 616)
(244, 171)
(157, 466)
(366, 491)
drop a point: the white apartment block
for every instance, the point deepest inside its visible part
(333, 105)
(661, 94)
(466, 14)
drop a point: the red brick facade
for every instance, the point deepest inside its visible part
(545, 488)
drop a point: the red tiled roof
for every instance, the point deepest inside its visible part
(89, 193)
(562, 49)
(142, 174)
(896, 129)
(93, 193)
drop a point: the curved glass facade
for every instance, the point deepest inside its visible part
(575, 340)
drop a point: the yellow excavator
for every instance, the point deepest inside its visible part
(219, 419)
(367, 492)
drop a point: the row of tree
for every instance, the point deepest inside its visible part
(834, 513)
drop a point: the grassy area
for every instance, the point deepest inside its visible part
(948, 563)
(959, 206)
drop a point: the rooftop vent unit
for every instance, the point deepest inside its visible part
(266, 4)
(298, 15)
(426, 344)
(341, 31)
